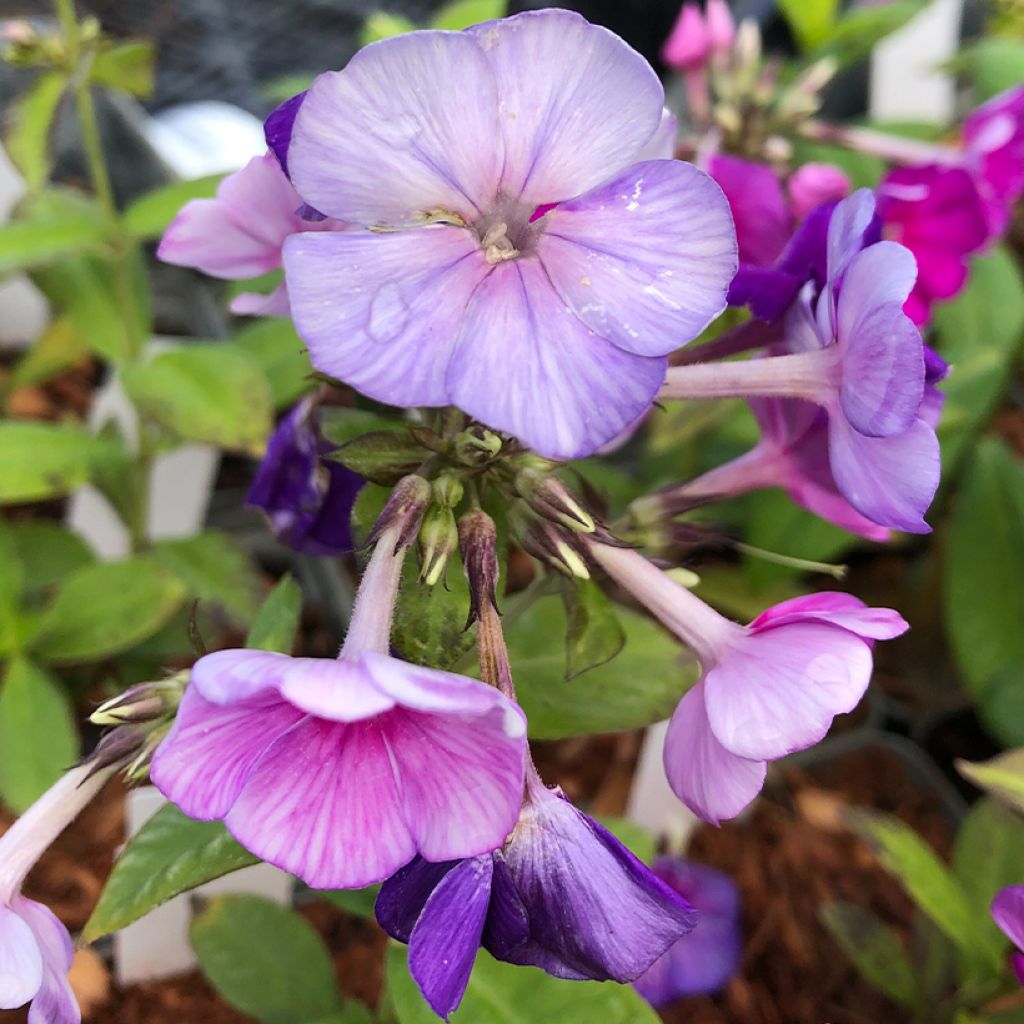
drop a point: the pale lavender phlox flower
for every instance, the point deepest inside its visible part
(702, 962)
(562, 894)
(342, 771)
(307, 498)
(812, 184)
(1008, 913)
(239, 234)
(766, 690)
(994, 146)
(450, 291)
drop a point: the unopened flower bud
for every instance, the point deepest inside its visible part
(478, 545)
(404, 510)
(447, 491)
(688, 45)
(547, 541)
(550, 498)
(748, 55)
(720, 25)
(144, 702)
(476, 445)
(438, 539)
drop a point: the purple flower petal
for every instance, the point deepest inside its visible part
(21, 961)
(277, 129)
(712, 781)
(662, 144)
(644, 260)
(508, 922)
(850, 221)
(443, 945)
(759, 207)
(370, 145)
(576, 103)
(382, 311)
(274, 303)
(835, 608)
(565, 390)
(403, 895)
(55, 1002)
(1008, 913)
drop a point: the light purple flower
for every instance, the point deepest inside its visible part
(239, 234)
(1008, 913)
(852, 351)
(307, 499)
(766, 690)
(701, 962)
(342, 771)
(553, 328)
(562, 894)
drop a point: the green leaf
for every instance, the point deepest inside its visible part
(359, 902)
(38, 742)
(812, 21)
(984, 599)
(43, 460)
(500, 993)
(12, 581)
(859, 30)
(213, 393)
(48, 552)
(52, 225)
(928, 881)
(127, 67)
(994, 64)
(382, 456)
(214, 567)
(1002, 776)
(266, 961)
(58, 348)
(640, 686)
(27, 140)
(148, 217)
(644, 844)
(277, 622)
(593, 632)
(380, 25)
(105, 608)
(462, 14)
(169, 855)
(875, 950)
(980, 333)
(273, 343)
(340, 425)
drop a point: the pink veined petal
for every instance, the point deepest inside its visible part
(776, 691)
(830, 505)
(646, 259)
(255, 304)
(713, 782)
(1008, 913)
(239, 233)
(203, 763)
(381, 312)
(337, 689)
(575, 103)
(461, 780)
(838, 609)
(55, 1002)
(525, 364)
(21, 961)
(407, 128)
(323, 804)
(891, 480)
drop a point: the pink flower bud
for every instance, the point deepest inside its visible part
(814, 184)
(721, 28)
(688, 45)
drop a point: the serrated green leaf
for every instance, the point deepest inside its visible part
(214, 567)
(27, 139)
(274, 344)
(169, 855)
(38, 742)
(127, 67)
(48, 552)
(105, 608)
(277, 622)
(213, 393)
(984, 599)
(1002, 776)
(148, 217)
(500, 993)
(593, 633)
(462, 14)
(43, 460)
(641, 685)
(265, 960)
(874, 949)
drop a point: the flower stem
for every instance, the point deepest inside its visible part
(370, 626)
(893, 148)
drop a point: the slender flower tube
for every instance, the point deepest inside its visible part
(766, 690)
(342, 771)
(852, 351)
(1008, 913)
(35, 948)
(515, 254)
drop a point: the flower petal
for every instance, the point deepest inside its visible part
(838, 609)
(277, 128)
(403, 895)
(778, 690)
(713, 782)
(849, 223)
(323, 804)
(526, 365)
(55, 1002)
(759, 208)
(1008, 913)
(444, 943)
(21, 961)
(340, 690)
(204, 761)
(508, 924)
(237, 674)
(274, 303)
(891, 480)
(646, 259)
(381, 312)
(372, 145)
(576, 103)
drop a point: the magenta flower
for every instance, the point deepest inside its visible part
(702, 962)
(1008, 912)
(766, 690)
(852, 351)
(307, 499)
(239, 234)
(512, 258)
(813, 184)
(994, 145)
(342, 771)
(562, 894)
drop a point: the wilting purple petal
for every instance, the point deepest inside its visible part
(643, 259)
(712, 781)
(55, 1002)
(402, 896)
(21, 960)
(759, 208)
(277, 129)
